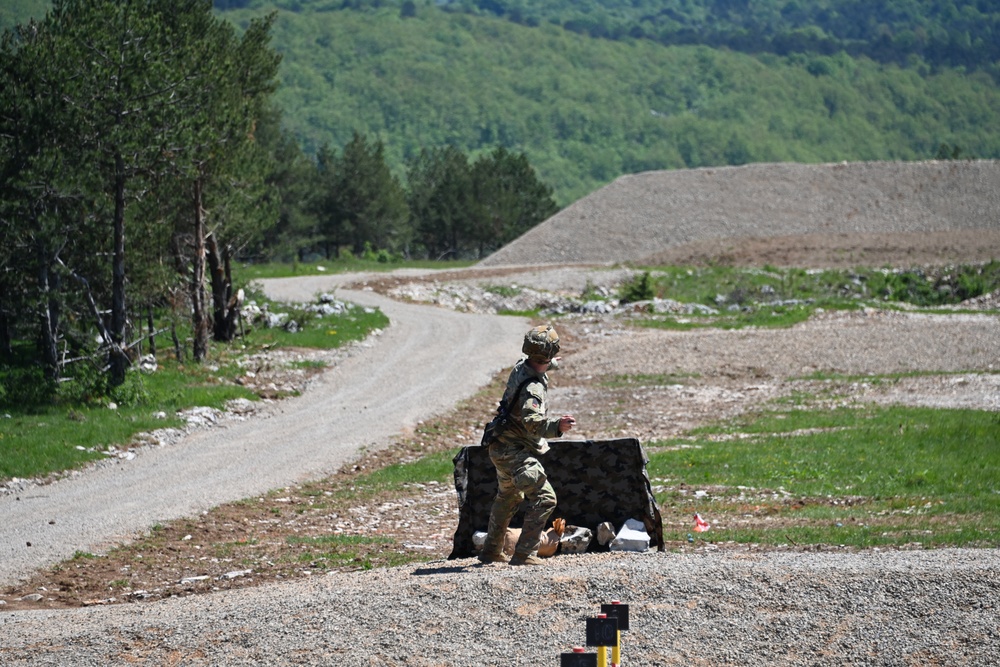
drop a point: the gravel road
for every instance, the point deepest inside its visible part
(375, 390)
(709, 606)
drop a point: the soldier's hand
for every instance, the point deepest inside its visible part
(566, 422)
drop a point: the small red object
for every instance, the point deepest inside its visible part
(699, 524)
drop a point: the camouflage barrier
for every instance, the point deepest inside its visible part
(595, 481)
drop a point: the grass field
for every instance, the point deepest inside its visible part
(879, 476)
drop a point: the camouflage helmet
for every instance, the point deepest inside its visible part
(541, 344)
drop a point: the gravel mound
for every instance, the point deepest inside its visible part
(649, 217)
(722, 607)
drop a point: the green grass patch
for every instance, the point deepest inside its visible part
(530, 314)
(506, 291)
(40, 439)
(437, 467)
(874, 452)
(313, 331)
(773, 296)
(43, 440)
(849, 476)
(884, 377)
(330, 551)
(723, 285)
(736, 297)
(732, 286)
(775, 317)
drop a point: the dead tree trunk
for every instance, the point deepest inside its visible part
(199, 317)
(225, 304)
(151, 329)
(117, 356)
(6, 345)
(49, 316)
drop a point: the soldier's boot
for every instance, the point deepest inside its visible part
(530, 559)
(492, 557)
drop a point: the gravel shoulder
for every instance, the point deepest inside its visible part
(727, 608)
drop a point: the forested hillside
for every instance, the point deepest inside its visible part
(587, 110)
(958, 33)
(595, 89)
(13, 12)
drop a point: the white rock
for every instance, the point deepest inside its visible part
(478, 539)
(631, 537)
(575, 540)
(147, 364)
(605, 533)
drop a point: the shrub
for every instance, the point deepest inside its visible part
(639, 288)
(23, 386)
(132, 392)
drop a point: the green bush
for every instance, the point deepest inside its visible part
(131, 393)
(25, 387)
(382, 256)
(926, 289)
(639, 288)
(970, 286)
(82, 384)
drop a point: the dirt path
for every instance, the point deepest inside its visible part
(380, 388)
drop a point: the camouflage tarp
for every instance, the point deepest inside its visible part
(595, 481)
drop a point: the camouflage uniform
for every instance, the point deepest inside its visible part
(520, 475)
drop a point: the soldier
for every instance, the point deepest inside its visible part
(515, 448)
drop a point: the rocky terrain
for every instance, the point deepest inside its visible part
(700, 603)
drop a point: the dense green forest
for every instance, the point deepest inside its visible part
(962, 33)
(147, 144)
(593, 89)
(953, 33)
(587, 110)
